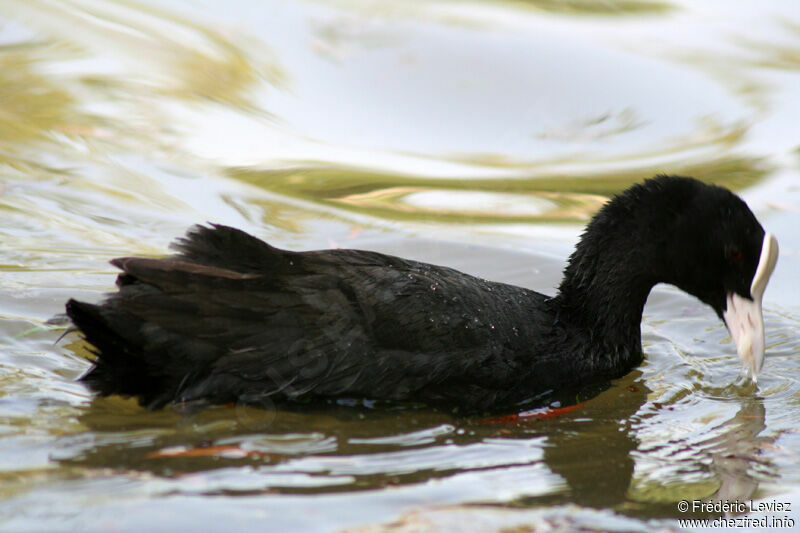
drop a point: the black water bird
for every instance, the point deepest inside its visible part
(230, 318)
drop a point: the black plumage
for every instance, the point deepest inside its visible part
(230, 318)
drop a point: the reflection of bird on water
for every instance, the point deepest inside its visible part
(592, 451)
(736, 452)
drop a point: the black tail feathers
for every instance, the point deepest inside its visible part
(116, 340)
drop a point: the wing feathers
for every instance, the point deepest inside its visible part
(231, 318)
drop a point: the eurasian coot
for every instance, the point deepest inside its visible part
(230, 318)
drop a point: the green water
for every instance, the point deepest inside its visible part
(481, 135)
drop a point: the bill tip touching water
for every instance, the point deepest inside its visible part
(229, 318)
(744, 316)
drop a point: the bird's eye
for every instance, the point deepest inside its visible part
(733, 254)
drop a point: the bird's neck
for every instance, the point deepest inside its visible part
(610, 311)
(603, 293)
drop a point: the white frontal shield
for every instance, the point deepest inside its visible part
(744, 317)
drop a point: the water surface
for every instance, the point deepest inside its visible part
(481, 135)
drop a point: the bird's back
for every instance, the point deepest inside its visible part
(233, 319)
